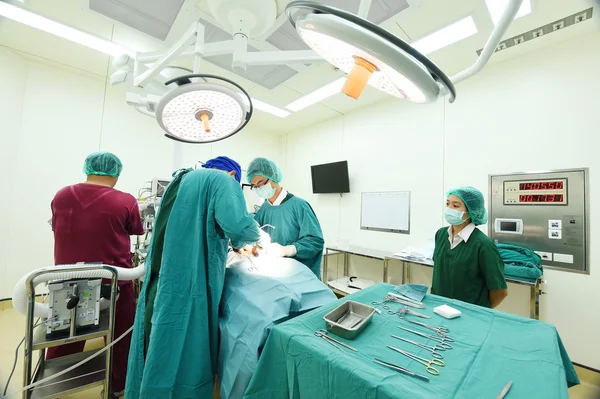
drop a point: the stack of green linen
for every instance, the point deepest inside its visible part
(520, 262)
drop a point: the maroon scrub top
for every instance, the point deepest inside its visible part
(93, 223)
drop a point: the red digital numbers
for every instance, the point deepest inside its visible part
(541, 198)
(542, 185)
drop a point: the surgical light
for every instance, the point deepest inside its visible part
(203, 112)
(368, 54)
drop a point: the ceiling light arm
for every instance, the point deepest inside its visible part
(186, 78)
(363, 8)
(436, 72)
(174, 52)
(492, 43)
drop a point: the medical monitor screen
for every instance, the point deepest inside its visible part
(161, 186)
(508, 226)
(330, 178)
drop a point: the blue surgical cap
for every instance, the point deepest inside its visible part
(225, 163)
(102, 164)
(264, 167)
(473, 200)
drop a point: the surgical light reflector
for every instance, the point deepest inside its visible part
(201, 112)
(368, 54)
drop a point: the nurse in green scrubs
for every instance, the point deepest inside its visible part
(467, 264)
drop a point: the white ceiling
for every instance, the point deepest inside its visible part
(410, 25)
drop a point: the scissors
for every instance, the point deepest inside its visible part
(406, 310)
(442, 331)
(333, 341)
(427, 363)
(443, 345)
(433, 349)
(383, 304)
(252, 268)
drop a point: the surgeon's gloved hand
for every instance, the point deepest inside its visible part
(276, 249)
(248, 250)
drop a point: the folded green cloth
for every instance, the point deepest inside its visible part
(520, 262)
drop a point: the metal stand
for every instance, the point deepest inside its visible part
(96, 372)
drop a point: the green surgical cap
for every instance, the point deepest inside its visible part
(102, 164)
(473, 200)
(264, 167)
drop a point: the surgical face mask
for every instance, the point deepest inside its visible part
(265, 191)
(455, 217)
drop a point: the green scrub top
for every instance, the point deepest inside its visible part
(469, 271)
(295, 224)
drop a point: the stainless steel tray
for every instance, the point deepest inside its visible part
(349, 319)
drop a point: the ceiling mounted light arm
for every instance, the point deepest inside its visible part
(363, 8)
(184, 83)
(182, 44)
(317, 8)
(492, 43)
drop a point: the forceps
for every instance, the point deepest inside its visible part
(442, 345)
(333, 341)
(427, 363)
(400, 369)
(442, 331)
(383, 304)
(432, 349)
(406, 310)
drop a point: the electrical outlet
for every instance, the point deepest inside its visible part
(558, 26)
(519, 40)
(580, 17)
(501, 46)
(538, 33)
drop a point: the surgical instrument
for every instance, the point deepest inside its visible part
(383, 303)
(432, 349)
(406, 302)
(323, 334)
(442, 331)
(401, 369)
(505, 390)
(252, 268)
(405, 310)
(441, 340)
(427, 363)
(417, 304)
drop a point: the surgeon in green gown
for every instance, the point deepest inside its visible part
(174, 346)
(467, 264)
(291, 222)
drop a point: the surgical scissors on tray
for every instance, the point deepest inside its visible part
(400, 369)
(432, 349)
(441, 340)
(427, 363)
(323, 334)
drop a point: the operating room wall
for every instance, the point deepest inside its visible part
(52, 117)
(535, 112)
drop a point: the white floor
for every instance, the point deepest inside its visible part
(12, 327)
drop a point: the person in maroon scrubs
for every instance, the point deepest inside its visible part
(93, 222)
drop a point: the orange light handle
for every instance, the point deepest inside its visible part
(358, 78)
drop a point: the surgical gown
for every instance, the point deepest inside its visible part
(295, 223)
(181, 357)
